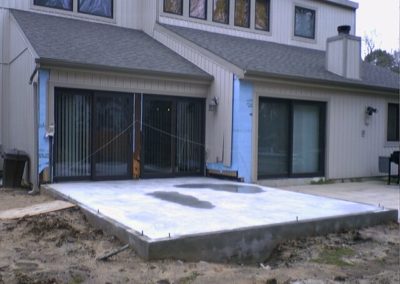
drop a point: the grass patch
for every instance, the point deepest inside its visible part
(190, 278)
(322, 181)
(334, 256)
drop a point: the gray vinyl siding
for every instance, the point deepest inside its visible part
(219, 123)
(18, 104)
(328, 18)
(348, 153)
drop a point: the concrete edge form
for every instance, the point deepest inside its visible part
(244, 245)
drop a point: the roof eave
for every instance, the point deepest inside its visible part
(297, 79)
(49, 62)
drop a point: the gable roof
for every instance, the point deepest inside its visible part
(268, 59)
(61, 40)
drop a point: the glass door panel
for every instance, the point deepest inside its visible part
(72, 155)
(157, 136)
(189, 137)
(306, 142)
(112, 136)
(273, 138)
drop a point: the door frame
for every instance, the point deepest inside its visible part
(174, 99)
(92, 93)
(321, 138)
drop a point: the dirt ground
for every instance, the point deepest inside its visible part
(62, 247)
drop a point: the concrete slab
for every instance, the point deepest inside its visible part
(208, 219)
(375, 192)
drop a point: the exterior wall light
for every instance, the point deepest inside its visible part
(213, 104)
(369, 112)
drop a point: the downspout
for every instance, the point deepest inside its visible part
(35, 71)
(35, 187)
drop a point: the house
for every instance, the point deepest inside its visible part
(254, 89)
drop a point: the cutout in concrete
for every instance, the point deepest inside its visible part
(232, 188)
(185, 200)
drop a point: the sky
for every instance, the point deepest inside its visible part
(379, 19)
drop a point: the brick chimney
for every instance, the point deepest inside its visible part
(343, 54)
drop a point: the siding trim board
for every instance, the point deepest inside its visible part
(75, 65)
(355, 87)
(225, 64)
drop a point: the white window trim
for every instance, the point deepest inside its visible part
(209, 21)
(299, 38)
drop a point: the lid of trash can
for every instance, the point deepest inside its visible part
(15, 154)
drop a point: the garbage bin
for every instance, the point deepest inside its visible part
(13, 168)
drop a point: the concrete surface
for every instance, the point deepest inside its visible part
(197, 219)
(177, 207)
(370, 192)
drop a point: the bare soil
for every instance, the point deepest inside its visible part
(61, 247)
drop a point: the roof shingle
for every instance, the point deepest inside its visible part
(268, 58)
(87, 43)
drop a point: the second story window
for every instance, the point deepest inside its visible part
(304, 22)
(242, 13)
(102, 8)
(262, 15)
(198, 9)
(58, 4)
(393, 123)
(173, 6)
(221, 11)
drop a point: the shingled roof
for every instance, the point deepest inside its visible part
(261, 58)
(101, 46)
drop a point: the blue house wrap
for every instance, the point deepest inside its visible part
(242, 131)
(43, 139)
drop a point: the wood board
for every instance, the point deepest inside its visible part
(34, 210)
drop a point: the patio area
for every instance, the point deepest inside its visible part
(162, 212)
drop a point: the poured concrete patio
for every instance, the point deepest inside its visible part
(209, 219)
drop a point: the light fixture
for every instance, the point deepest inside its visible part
(213, 105)
(369, 112)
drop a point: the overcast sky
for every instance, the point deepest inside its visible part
(379, 18)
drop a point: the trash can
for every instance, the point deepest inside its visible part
(13, 168)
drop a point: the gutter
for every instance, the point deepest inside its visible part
(131, 71)
(325, 83)
(35, 71)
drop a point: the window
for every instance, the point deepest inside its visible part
(242, 13)
(262, 15)
(173, 6)
(198, 9)
(304, 22)
(58, 4)
(221, 11)
(393, 123)
(102, 8)
(291, 138)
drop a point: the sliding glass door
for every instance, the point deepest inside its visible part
(93, 135)
(112, 133)
(173, 136)
(291, 138)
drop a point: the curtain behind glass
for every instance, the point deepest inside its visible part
(304, 22)
(59, 4)
(189, 132)
(221, 11)
(173, 6)
(73, 135)
(306, 148)
(102, 8)
(198, 9)
(242, 13)
(262, 15)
